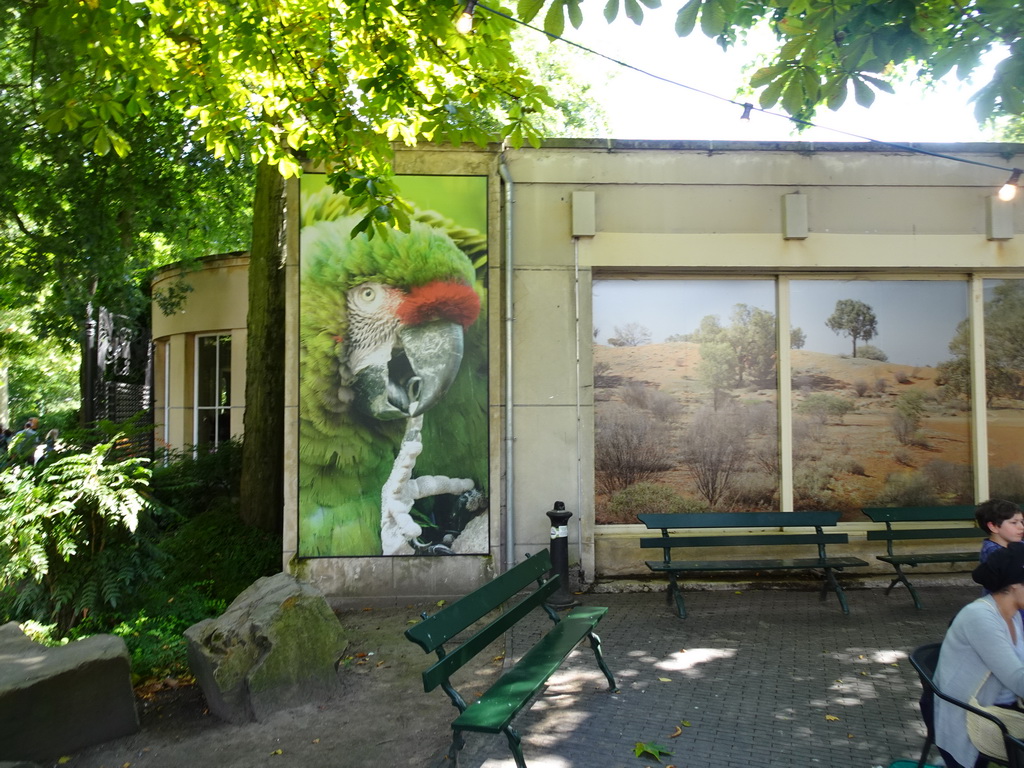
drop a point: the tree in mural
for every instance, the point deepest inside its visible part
(828, 50)
(1004, 348)
(630, 335)
(753, 337)
(717, 370)
(854, 319)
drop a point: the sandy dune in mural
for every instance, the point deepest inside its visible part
(859, 447)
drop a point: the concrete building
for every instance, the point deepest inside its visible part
(610, 271)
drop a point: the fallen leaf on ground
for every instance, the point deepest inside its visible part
(665, 679)
(685, 723)
(677, 732)
(63, 760)
(832, 718)
(316, 741)
(277, 752)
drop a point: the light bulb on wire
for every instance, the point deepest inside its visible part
(464, 25)
(1008, 191)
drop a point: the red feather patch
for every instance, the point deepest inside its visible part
(440, 301)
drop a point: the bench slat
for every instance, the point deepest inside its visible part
(908, 534)
(755, 565)
(493, 711)
(918, 514)
(737, 519)
(441, 670)
(769, 539)
(436, 630)
(930, 557)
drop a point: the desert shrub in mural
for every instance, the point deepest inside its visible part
(393, 377)
(646, 498)
(631, 445)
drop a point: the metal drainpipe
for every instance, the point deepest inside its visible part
(510, 528)
(579, 407)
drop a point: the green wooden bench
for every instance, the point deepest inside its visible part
(494, 710)
(756, 533)
(917, 516)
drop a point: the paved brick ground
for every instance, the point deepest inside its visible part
(763, 678)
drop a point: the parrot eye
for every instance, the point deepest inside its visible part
(367, 297)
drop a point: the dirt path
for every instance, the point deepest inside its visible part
(382, 717)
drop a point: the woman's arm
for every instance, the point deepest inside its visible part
(991, 639)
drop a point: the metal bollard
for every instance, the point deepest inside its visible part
(560, 598)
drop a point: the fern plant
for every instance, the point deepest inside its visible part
(73, 534)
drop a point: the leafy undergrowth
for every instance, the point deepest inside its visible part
(210, 559)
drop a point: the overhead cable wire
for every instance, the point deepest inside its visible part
(747, 107)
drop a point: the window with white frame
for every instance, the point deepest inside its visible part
(806, 392)
(212, 419)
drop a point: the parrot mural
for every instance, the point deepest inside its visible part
(388, 402)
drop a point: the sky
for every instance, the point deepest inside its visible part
(916, 319)
(642, 107)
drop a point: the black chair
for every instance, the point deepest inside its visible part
(924, 659)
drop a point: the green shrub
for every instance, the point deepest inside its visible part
(75, 535)
(648, 498)
(823, 407)
(870, 352)
(189, 481)
(907, 489)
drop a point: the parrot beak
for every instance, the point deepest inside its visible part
(418, 375)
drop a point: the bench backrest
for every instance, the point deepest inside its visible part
(890, 515)
(434, 631)
(738, 519)
(918, 514)
(667, 522)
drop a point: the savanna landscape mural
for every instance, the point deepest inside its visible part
(687, 394)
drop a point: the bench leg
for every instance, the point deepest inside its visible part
(901, 578)
(515, 745)
(458, 742)
(595, 643)
(831, 582)
(674, 592)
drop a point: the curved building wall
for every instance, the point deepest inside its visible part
(199, 354)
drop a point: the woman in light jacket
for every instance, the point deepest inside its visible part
(982, 654)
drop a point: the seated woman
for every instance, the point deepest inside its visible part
(982, 654)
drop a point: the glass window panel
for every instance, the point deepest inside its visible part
(685, 394)
(224, 371)
(213, 389)
(206, 371)
(876, 419)
(1004, 393)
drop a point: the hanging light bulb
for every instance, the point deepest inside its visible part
(465, 23)
(1009, 190)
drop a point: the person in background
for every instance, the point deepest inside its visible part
(1003, 522)
(982, 654)
(46, 448)
(22, 449)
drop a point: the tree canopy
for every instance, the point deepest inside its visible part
(854, 319)
(288, 81)
(829, 49)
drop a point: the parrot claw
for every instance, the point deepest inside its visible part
(423, 548)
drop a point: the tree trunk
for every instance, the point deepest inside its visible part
(262, 491)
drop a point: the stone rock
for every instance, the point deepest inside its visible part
(277, 646)
(54, 701)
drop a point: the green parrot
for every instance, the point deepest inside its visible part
(382, 324)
